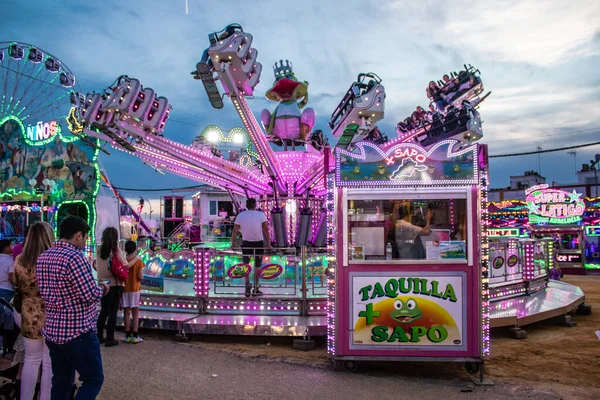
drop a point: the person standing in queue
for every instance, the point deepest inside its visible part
(33, 313)
(255, 238)
(71, 298)
(109, 247)
(7, 269)
(18, 249)
(408, 236)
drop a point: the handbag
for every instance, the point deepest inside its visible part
(18, 302)
(118, 269)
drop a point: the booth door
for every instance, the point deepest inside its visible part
(72, 209)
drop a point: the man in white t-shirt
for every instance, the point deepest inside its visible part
(255, 238)
(7, 269)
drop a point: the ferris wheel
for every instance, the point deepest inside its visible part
(37, 89)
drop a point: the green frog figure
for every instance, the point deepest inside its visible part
(405, 313)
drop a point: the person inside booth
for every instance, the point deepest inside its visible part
(407, 229)
(407, 235)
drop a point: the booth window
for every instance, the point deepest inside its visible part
(407, 229)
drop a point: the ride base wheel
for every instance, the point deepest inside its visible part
(350, 366)
(472, 367)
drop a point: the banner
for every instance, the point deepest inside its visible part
(408, 310)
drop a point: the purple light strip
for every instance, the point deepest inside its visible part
(216, 166)
(200, 173)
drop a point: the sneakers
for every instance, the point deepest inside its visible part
(248, 289)
(111, 342)
(132, 339)
(257, 293)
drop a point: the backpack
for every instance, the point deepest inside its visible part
(118, 269)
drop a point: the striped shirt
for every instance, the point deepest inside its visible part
(69, 291)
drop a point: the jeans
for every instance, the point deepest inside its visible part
(36, 354)
(7, 294)
(110, 308)
(81, 354)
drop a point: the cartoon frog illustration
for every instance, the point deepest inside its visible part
(238, 271)
(405, 313)
(380, 173)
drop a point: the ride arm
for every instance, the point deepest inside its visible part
(259, 138)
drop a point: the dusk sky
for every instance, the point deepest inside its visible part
(539, 58)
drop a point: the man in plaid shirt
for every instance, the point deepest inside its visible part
(71, 296)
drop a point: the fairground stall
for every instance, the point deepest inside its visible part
(569, 220)
(47, 171)
(528, 247)
(411, 254)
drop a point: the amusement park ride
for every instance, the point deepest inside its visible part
(329, 213)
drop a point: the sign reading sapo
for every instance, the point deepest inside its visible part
(407, 311)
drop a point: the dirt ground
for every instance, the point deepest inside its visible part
(553, 359)
(564, 360)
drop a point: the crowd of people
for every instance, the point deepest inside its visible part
(50, 286)
(445, 92)
(419, 119)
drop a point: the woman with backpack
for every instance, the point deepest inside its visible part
(111, 266)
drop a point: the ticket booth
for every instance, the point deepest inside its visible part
(411, 254)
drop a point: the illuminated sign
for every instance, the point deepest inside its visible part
(503, 232)
(238, 271)
(592, 230)
(270, 271)
(395, 164)
(416, 311)
(411, 153)
(554, 206)
(568, 258)
(42, 131)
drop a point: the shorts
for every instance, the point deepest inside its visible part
(256, 249)
(130, 300)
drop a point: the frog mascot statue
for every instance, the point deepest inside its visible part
(289, 124)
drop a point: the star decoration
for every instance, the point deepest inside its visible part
(574, 196)
(533, 208)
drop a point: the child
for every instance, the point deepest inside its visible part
(131, 296)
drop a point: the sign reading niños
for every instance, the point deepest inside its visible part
(407, 311)
(42, 131)
(553, 206)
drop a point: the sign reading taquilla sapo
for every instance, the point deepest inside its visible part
(408, 311)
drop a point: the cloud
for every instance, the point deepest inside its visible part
(539, 58)
(538, 32)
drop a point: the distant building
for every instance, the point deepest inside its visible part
(528, 179)
(587, 184)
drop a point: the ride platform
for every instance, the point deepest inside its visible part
(558, 299)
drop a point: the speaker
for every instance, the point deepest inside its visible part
(179, 207)
(168, 207)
